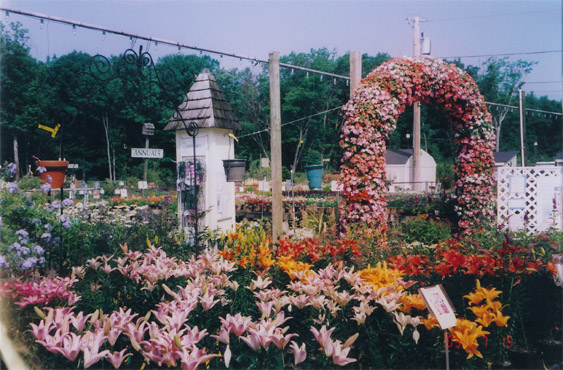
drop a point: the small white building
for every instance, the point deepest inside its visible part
(558, 159)
(505, 159)
(399, 169)
(205, 104)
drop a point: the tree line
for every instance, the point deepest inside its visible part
(101, 118)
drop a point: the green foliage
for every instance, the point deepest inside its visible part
(425, 230)
(445, 175)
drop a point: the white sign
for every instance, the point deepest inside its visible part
(439, 305)
(147, 153)
(516, 203)
(336, 186)
(142, 185)
(73, 165)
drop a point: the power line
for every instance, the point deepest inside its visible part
(289, 123)
(527, 109)
(158, 41)
(505, 54)
(491, 15)
(543, 82)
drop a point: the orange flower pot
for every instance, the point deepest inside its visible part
(56, 170)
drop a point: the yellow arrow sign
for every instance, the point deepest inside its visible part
(53, 131)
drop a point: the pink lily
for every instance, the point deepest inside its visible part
(51, 343)
(193, 335)
(190, 360)
(79, 320)
(91, 356)
(223, 337)
(72, 344)
(280, 340)
(42, 330)
(252, 340)
(95, 340)
(236, 324)
(265, 308)
(299, 353)
(207, 301)
(116, 358)
(260, 283)
(340, 355)
(323, 337)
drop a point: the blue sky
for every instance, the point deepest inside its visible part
(255, 28)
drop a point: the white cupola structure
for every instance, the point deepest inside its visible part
(203, 183)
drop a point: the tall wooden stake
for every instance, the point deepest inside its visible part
(275, 145)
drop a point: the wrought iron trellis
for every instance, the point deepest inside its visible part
(154, 91)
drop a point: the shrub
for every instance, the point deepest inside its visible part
(425, 230)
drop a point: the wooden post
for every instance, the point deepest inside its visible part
(275, 145)
(522, 109)
(416, 112)
(355, 70)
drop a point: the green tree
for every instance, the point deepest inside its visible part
(500, 84)
(19, 88)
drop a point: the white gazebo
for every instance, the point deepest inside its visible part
(206, 106)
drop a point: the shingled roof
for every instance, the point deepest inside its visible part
(398, 156)
(503, 157)
(206, 105)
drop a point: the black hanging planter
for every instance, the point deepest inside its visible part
(234, 169)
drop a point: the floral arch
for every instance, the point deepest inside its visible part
(372, 114)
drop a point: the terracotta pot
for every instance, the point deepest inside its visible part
(56, 170)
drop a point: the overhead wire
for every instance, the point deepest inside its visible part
(504, 54)
(291, 122)
(491, 15)
(157, 41)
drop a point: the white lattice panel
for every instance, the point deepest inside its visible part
(529, 198)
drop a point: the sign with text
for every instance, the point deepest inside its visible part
(439, 305)
(147, 153)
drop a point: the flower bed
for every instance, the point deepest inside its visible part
(301, 304)
(105, 295)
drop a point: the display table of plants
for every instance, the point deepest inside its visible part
(296, 205)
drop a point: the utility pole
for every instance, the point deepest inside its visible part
(355, 70)
(416, 113)
(522, 111)
(275, 145)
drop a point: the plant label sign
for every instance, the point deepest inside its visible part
(439, 305)
(147, 153)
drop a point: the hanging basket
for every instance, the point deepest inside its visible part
(234, 169)
(56, 171)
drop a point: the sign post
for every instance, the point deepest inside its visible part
(439, 305)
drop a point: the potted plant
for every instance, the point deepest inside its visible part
(54, 172)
